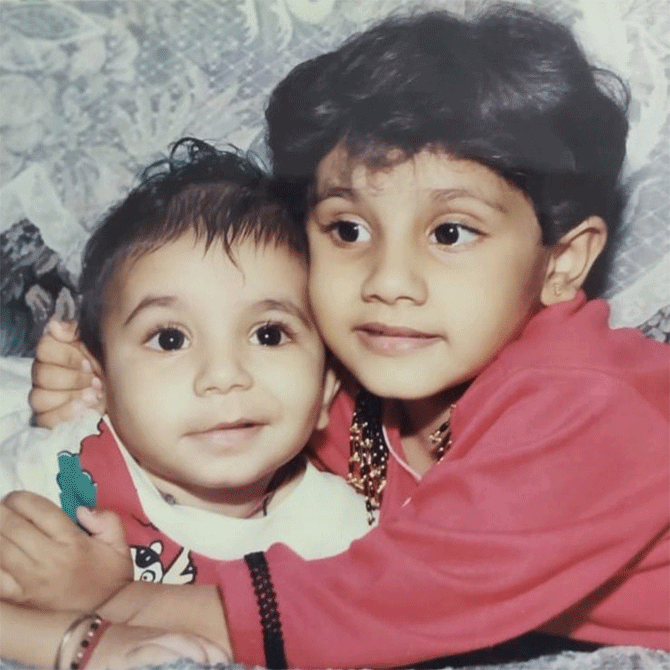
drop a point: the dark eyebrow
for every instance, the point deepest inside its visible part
(151, 301)
(288, 307)
(352, 194)
(262, 306)
(334, 191)
(453, 193)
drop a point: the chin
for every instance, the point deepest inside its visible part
(399, 388)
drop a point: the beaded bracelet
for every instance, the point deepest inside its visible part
(89, 642)
(85, 648)
(67, 635)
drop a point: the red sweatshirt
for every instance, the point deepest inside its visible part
(550, 511)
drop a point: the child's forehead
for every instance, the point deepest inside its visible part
(344, 166)
(189, 251)
(193, 243)
(431, 169)
(248, 247)
(196, 275)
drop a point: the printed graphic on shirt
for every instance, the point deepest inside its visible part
(148, 567)
(76, 485)
(156, 558)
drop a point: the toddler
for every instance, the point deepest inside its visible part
(194, 306)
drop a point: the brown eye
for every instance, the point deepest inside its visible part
(168, 339)
(453, 234)
(349, 232)
(171, 339)
(270, 335)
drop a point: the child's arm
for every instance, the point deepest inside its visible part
(63, 374)
(47, 562)
(121, 646)
(192, 608)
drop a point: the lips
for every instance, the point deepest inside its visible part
(393, 340)
(228, 436)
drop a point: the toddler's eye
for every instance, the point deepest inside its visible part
(454, 234)
(270, 335)
(168, 339)
(350, 231)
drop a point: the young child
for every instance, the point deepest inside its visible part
(194, 305)
(458, 180)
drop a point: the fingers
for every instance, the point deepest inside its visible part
(61, 329)
(123, 647)
(45, 517)
(104, 526)
(10, 589)
(50, 418)
(67, 404)
(63, 364)
(15, 562)
(55, 377)
(65, 377)
(52, 407)
(169, 647)
(47, 399)
(22, 543)
(59, 345)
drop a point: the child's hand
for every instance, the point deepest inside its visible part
(64, 377)
(49, 563)
(124, 647)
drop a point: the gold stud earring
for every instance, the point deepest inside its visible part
(558, 289)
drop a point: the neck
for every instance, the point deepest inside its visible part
(239, 502)
(419, 420)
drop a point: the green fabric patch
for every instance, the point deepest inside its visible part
(76, 486)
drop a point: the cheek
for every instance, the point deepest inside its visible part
(278, 376)
(332, 286)
(136, 391)
(515, 275)
(321, 296)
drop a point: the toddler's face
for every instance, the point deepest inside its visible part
(214, 370)
(422, 272)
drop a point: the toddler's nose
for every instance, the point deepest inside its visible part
(221, 370)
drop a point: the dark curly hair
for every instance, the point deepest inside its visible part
(509, 89)
(218, 195)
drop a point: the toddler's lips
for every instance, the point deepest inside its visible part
(228, 436)
(393, 340)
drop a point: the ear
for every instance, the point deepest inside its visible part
(331, 385)
(571, 259)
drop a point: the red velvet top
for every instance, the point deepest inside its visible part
(550, 511)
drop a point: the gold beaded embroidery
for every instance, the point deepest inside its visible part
(368, 462)
(369, 453)
(441, 437)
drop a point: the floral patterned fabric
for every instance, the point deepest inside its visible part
(91, 90)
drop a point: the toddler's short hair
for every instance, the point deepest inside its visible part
(509, 89)
(217, 195)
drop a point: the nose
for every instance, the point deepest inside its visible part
(395, 275)
(221, 369)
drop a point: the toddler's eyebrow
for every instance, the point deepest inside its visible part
(453, 193)
(285, 306)
(151, 301)
(262, 306)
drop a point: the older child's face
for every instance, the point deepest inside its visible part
(214, 371)
(421, 273)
